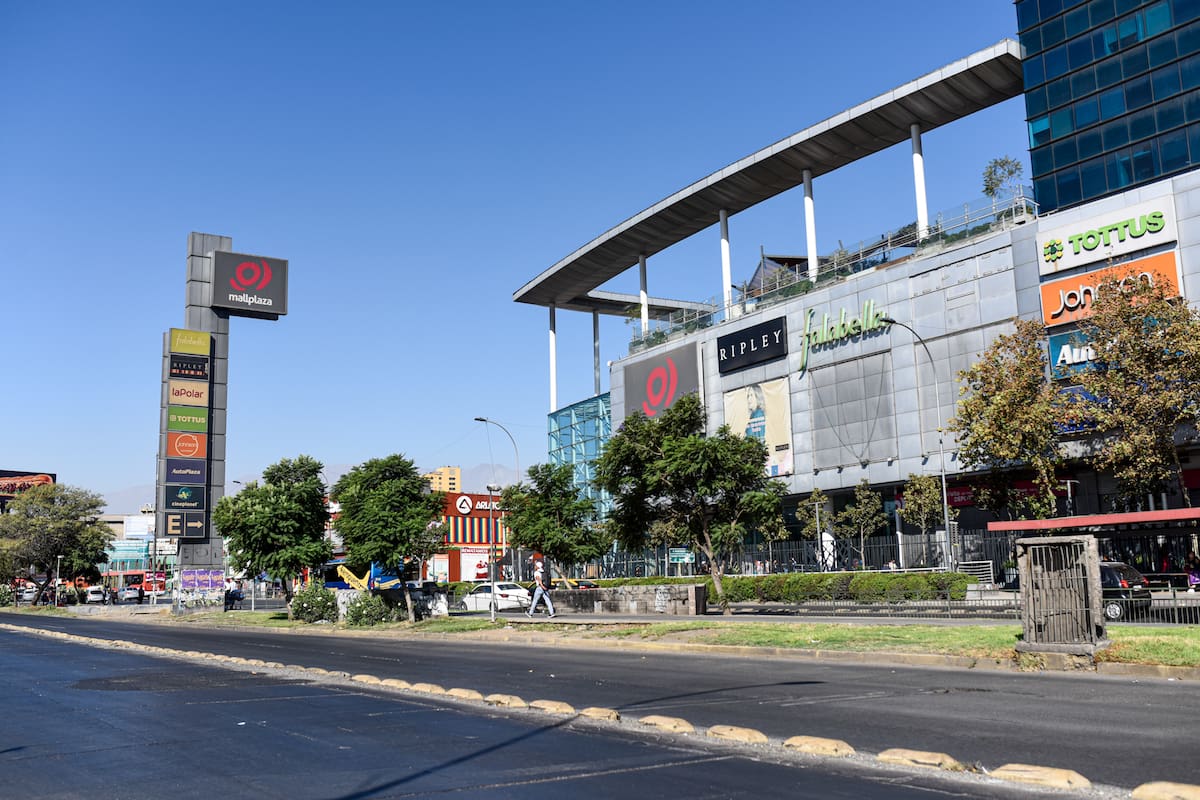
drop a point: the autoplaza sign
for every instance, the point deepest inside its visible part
(1133, 228)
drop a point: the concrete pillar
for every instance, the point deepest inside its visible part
(596, 350)
(919, 181)
(810, 227)
(553, 364)
(726, 266)
(642, 296)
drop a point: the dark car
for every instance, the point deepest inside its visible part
(1124, 590)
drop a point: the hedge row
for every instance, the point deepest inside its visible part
(802, 587)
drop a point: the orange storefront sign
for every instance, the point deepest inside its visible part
(1070, 299)
(187, 445)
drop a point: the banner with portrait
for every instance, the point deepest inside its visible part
(764, 411)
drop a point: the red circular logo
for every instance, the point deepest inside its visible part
(660, 388)
(249, 273)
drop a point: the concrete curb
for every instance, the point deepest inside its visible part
(817, 746)
(668, 724)
(733, 733)
(505, 700)
(1165, 790)
(466, 694)
(607, 714)
(920, 758)
(553, 707)
(427, 688)
(1050, 777)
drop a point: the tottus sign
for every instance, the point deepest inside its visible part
(250, 286)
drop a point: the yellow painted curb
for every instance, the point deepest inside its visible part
(595, 712)
(255, 662)
(1165, 790)
(733, 733)
(297, 667)
(669, 724)
(274, 665)
(396, 683)
(465, 694)
(363, 678)
(427, 688)
(313, 670)
(507, 700)
(1042, 776)
(817, 746)
(553, 707)
(920, 758)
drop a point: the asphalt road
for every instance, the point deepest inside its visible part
(90, 722)
(1120, 732)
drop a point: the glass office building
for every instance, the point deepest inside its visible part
(1112, 94)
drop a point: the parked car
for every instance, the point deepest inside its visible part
(508, 596)
(129, 593)
(1124, 590)
(96, 594)
(571, 583)
(29, 594)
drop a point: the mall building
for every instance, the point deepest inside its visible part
(844, 361)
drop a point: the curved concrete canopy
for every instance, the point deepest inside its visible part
(955, 91)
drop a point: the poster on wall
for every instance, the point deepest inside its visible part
(653, 384)
(763, 411)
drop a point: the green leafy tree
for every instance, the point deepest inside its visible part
(923, 506)
(278, 526)
(1146, 345)
(54, 520)
(862, 517)
(1007, 421)
(814, 517)
(1001, 176)
(388, 515)
(550, 516)
(709, 490)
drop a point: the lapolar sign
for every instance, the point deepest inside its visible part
(1133, 228)
(1070, 299)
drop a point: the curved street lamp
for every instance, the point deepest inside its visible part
(517, 456)
(937, 393)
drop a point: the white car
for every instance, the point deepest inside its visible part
(130, 594)
(29, 594)
(96, 594)
(508, 596)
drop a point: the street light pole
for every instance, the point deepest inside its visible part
(57, 581)
(517, 456)
(937, 393)
(492, 489)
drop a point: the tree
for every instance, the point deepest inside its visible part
(862, 517)
(550, 516)
(923, 505)
(1001, 176)
(54, 520)
(278, 527)
(1007, 420)
(814, 519)
(707, 490)
(1146, 350)
(386, 515)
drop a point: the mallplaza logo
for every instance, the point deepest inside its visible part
(251, 275)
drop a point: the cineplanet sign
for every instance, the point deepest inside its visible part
(1133, 228)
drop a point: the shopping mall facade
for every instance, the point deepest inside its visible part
(845, 362)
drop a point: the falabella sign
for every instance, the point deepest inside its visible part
(250, 286)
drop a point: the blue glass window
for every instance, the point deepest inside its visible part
(1058, 92)
(1083, 82)
(1099, 10)
(1193, 135)
(1137, 92)
(1091, 176)
(1107, 72)
(1145, 161)
(1049, 7)
(1127, 32)
(1043, 190)
(1041, 160)
(1031, 40)
(1173, 150)
(1112, 103)
(1087, 112)
(1127, 5)
(1116, 134)
(1034, 74)
(1188, 39)
(1053, 32)
(1162, 50)
(1142, 124)
(1056, 62)
(1060, 123)
(1079, 52)
(1090, 143)
(1027, 13)
(1118, 169)
(1169, 114)
(1035, 103)
(1184, 10)
(1135, 62)
(1039, 131)
(1067, 185)
(1165, 82)
(1191, 106)
(1189, 72)
(1157, 18)
(1065, 152)
(1077, 21)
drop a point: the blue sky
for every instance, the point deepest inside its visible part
(416, 163)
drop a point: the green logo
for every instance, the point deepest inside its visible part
(1053, 250)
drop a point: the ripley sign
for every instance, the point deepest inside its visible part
(766, 341)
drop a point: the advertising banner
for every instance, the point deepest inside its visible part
(187, 445)
(195, 342)
(188, 393)
(763, 411)
(757, 344)
(187, 470)
(254, 285)
(1069, 353)
(187, 418)
(1133, 228)
(653, 384)
(184, 498)
(13, 482)
(473, 563)
(184, 525)
(1069, 299)
(188, 367)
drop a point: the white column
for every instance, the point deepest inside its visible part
(810, 227)
(726, 267)
(596, 349)
(642, 295)
(919, 181)
(553, 364)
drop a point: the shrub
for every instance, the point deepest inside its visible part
(315, 603)
(7, 595)
(371, 609)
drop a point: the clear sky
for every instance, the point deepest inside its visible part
(416, 163)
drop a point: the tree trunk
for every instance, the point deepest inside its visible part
(408, 602)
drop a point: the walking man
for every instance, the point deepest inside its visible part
(540, 592)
